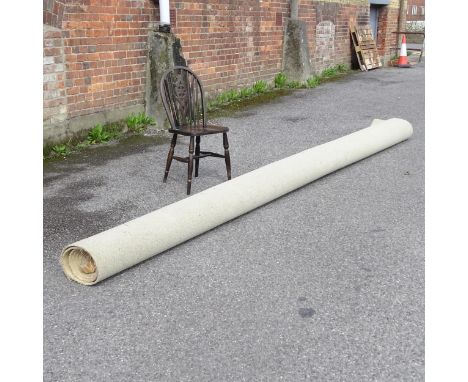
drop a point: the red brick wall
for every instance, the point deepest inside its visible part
(341, 16)
(231, 42)
(53, 12)
(387, 23)
(102, 46)
(105, 52)
(420, 10)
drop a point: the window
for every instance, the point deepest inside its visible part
(422, 10)
(414, 10)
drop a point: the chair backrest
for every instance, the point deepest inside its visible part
(182, 96)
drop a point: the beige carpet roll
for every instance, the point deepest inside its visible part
(91, 260)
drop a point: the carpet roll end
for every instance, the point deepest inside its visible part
(79, 265)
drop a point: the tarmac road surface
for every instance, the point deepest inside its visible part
(323, 284)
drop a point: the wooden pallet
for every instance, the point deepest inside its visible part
(364, 45)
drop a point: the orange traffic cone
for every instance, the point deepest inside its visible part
(403, 60)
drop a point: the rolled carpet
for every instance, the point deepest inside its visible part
(95, 258)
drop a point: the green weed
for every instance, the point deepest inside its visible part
(98, 135)
(114, 129)
(260, 87)
(246, 92)
(62, 150)
(313, 82)
(82, 145)
(342, 68)
(294, 84)
(222, 98)
(329, 72)
(280, 80)
(137, 122)
(232, 95)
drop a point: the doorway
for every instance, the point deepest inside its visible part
(374, 19)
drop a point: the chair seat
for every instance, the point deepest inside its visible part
(198, 130)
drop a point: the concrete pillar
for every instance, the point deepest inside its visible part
(294, 5)
(165, 52)
(296, 57)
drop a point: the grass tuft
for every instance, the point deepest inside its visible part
(61, 150)
(260, 87)
(329, 72)
(100, 134)
(138, 122)
(280, 80)
(342, 68)
(294, 85)
(313, 82)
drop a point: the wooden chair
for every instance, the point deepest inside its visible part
(182, 96)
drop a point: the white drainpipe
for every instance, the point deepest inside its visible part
(164, 17)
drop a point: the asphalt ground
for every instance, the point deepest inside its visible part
(323, 284)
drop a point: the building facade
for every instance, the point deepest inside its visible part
(416, 10)
(96, 51)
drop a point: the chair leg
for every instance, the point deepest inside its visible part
(190, 166)
(169, 156)
(227, 157)
(197, 152)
